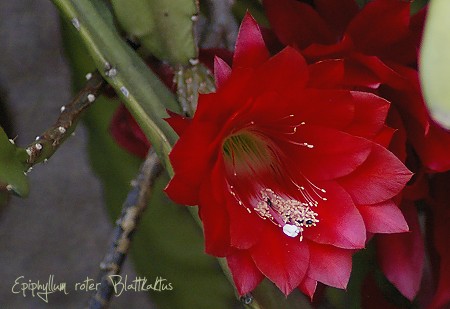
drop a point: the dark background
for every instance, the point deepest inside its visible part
(62, 228)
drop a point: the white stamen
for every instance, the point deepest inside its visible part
(63, 108)
(12, 141)
(62, 130)
(9, 187)
(91, 97)
(88, 76)
(38, 146)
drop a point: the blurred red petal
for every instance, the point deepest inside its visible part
(337, 14)
(127, 133)
(401, 256)
(434, 148)
(297, 23)
(394, 15)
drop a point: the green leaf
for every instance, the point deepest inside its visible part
(168, 243)
(435, 62)
(164, 28)
(13, 164)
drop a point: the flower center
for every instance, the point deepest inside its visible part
(246, 153)
(260, 180)
(291, 214)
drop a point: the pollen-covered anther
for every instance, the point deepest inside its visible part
(291, 214)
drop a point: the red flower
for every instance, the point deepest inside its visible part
(378, 46)
(375, 50)
(289, 177)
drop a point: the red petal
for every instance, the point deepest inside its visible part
(178, 122)
(330, 265)
(250, 48)
(385, 217)
(222, 71)
(335, 154)
(379, 24)
(245, 274)
(282, 259)
(340, 224)
(297, 23)
(285, 71)
(358, 75)
(245, 227)
(378, 72)
(308, 287)
(337, 14)
(385, 138)
(398, 143)
(326, 108)
(370, 115)
(213, 212)
(379, 178)
(401, 256)
(326, 74)
(341, 49)
(190, 166)
(220, 106)
(434, 148)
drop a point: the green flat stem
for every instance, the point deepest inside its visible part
(140, 90)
